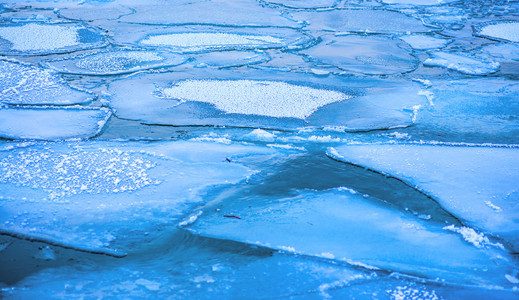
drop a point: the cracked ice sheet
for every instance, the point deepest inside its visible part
(345, 227)
(107, 196)
(176, 99)
(115, 62)
(364, 55)
(216, 12)
(462, 63)
(418, 2)
(422, 42)
(361, 20)
(198, 38)
(40, 38)
(304, 4)
(23, 84)
(51, 123)
(477, 184)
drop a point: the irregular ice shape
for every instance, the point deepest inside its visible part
(422, 42)
(366, 55)
(462, 63)
(505, 31)
(36, 38)
(305, 4)
(51, 123)
(95, 12)
(115, 62)
(361, 20)
(23, 84)
(231, 59)
(462, 179)
(418, 2)
(264, 98)
(105, 197)
(503, 51)
(347, 227)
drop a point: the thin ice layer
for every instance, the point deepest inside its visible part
(264, 98)
(23, 84)
(462, 63)
(361, 20)
(109, 197)
(506, 31)
(115, 62)
(230, 59)
(41, 38)
(418, 2)
(51, 123)
(477, 184)
(304, 4)
(342, 226)
(365, 55)
(422, 42)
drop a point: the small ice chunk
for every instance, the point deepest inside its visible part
(422, 42)
(462, 63)
(45, 253)
(512, 279)
(265, 98)
(262, 135)
(505, 30)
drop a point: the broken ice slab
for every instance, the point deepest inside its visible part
(52, 123)
(93, 12)
(24, 84)
(261, 99)
(462, 63)
(364, 55)
(113, 62)
(361, 20)
(109, 197)
(230, 59)
(218, 12)
(303, 4)
(472, 110)
(477, 184)
(423, 42)
(502, 52)
(348, 228)
(507, 30)
(35, 38)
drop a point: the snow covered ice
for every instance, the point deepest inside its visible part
(244, 149)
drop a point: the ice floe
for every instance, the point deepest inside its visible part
(115, 62)
(303, 4)
(508, 31)
(230, 59)
(106, 196)
(418, 2)
(41, 38)
(348, 228)
(24, 84)
(461, 179)
(365, 55)
(422, 42)
(462, 63)
(51, 123)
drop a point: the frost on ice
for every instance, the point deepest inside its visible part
(422, 42)
(462, 63)
(115, 62)
(23, 84)
(462, 179)
(264, 98)
(365, 55)
(51, 123)
(508, 31)
(104, 196)
(36, 38)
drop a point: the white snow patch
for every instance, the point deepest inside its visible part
(462, 63)
(35, 36)
(191, 220)
(422, 42)
(261, 135)
(405, 293)
(265, 98)
(506, 31)
(493, 206)
(512, 279)
(470, 235)
(346, 189)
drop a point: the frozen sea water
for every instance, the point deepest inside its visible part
(422, 42)
(462, 63)
(506, 31)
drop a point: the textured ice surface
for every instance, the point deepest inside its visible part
(366, 55)
(105, 196)
(342, 226)
(462, 63)
(418, 2)
(462, 179)
(503, 51)
(89, 12)
(506, 31)
(306, 4)
(230, 59)
(361, 20)
(264, 98)
(40, 38)
(422, 42)
(51, 123)
(28, 85)
(115, 62)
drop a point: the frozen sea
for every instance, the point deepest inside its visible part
(259, 149)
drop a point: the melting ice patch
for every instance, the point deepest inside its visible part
(462, 63)
(36, 38)
(265, 98)
(115, 62)
(506, 31)
(366, 55)
(104, 197)
(51, 123)
(27, 85)
(462, 179)
(422, 42)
